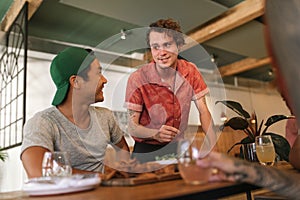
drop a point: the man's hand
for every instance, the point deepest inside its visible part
(166, 133)
(229, 168)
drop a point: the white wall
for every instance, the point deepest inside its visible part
(40, 91)
(265, 103)
(11, 171)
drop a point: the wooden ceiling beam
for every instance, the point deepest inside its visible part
(234, 17)
(15, 9)
(243, 65)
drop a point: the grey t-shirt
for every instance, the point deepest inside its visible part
(52, 130)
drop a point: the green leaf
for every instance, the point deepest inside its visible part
(281, 145)
(273, 119)
(243, 141)
(276, 118)
(247, 140)
(238, 143)
(256, 128)
(3, 155)
(259, 129)
(236, 107)
(237, 123)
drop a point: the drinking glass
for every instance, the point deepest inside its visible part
(249, 152)
(189, 150)
(56, 163)
(265, 150)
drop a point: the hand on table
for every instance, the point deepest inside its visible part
(229, 168)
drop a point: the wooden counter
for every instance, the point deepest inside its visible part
(175, 189)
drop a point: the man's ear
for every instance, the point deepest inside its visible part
(74, 81)
(179, 47)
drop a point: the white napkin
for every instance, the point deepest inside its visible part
(52, 185)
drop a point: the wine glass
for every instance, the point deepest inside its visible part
(265, 150)
(56, 163)
(189, 151)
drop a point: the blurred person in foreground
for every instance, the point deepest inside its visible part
(291, 131)
(72, 124)
(283, 40)
(159, 95)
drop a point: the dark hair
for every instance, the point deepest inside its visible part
(84, 73)
(168, 26)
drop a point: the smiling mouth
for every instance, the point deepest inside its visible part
(163, 59)
(100, 90)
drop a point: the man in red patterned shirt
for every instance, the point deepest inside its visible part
(159, 94)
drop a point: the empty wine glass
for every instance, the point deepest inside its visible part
(56, 164)
(265, 150)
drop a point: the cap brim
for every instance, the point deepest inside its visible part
(60, 94)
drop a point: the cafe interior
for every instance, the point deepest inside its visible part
(224, 38)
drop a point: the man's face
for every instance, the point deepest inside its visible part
(93, 87)
(164, 49)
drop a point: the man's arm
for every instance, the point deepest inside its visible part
(123, 152)
(237, 170)
(294, 155)
(123, 144)
(206, 120)
(291, 130)
(164, 134)
(32, 159)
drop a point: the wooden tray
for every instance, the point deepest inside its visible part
(140, 180)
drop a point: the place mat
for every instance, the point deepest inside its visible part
(141, 179)
(60, 185)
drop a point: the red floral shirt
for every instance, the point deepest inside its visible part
(158, 104)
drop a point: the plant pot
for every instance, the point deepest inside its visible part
(248, 151)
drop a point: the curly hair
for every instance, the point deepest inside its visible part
(168, 26)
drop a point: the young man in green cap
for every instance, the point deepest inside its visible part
(72, 124)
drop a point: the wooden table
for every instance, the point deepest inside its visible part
(175, 189)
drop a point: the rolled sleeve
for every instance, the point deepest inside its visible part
(133, 97)
(200, 94)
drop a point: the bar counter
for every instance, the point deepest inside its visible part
(172, 189)
(175, 189)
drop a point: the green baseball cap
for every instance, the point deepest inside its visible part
(68, 62)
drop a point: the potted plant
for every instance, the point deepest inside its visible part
(3, 155)
(249, 125)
